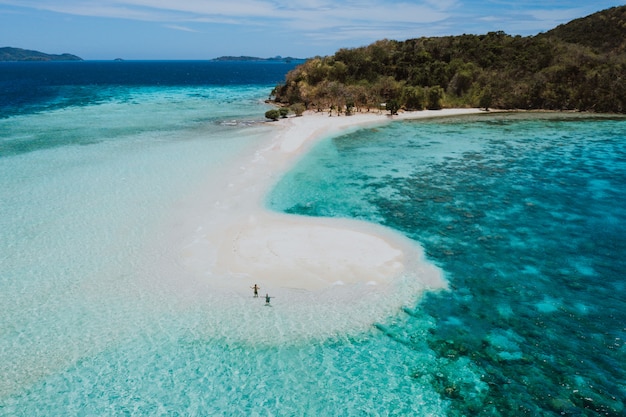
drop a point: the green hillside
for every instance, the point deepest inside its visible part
(577, 66)
(603, 32)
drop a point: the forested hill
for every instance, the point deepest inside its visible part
(580, 65)
(18, 54)
(603, 31)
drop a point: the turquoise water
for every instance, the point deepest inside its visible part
(526, 215)
(85, 193)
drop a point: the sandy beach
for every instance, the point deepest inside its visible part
(229, 241)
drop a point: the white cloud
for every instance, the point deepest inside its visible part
(93, 9)
(330, 21)
(181, 28)
(291, 12)
(319, 21)
(245, 8)
(557, 15)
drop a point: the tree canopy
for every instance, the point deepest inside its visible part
(577, 66)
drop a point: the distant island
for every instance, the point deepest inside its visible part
(254, 58)
(578, 66)
(17, 54)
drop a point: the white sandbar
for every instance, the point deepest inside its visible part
(353, 271)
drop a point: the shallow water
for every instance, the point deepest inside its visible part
(84, 193)
(526, 216)
(91, 325)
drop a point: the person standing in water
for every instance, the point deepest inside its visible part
(256, 289)
(267, 299)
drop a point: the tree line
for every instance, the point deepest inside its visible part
(578, 66)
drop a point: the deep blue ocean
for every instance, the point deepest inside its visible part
(525, 213)
(34, 86)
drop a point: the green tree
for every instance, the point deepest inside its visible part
(413, 98)
(393, 106)
(359, 95)
(388, 88)
(485, 99)
(273, 114)
(435, 95)
(298, 109)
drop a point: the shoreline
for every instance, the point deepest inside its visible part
(250, 238)
(319, 130)
(227, 241)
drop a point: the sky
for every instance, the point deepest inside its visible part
(206, 29)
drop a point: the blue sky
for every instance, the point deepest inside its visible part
(205, 29)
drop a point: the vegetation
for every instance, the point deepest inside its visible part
(17, 54)
(283, 111)
(298, 109)
(577, 66)
(273, 114)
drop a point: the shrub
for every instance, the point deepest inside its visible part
(435, 95)
(298, 109)
(485, 99)
(413, 98)
(393, 106)
(272, 114)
